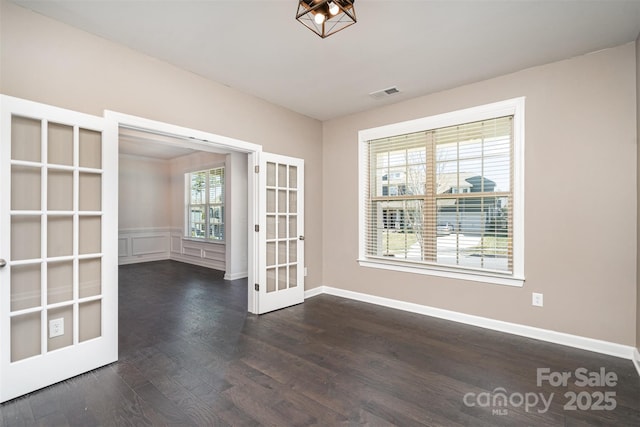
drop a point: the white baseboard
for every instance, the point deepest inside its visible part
(584, 343)
(313, 292)
(202, 262)
(636, 360)
(235, 276)
(138, 260)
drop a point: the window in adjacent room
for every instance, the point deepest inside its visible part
(205, 204)
(443, 195)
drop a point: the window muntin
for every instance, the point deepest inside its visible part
(442, 197)
(205, 204)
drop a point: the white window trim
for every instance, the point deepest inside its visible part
(513, 107)
(187, 201)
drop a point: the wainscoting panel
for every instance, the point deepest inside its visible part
(123, 246)
(176, 244)
(214, 253)
(144, 244)
(147, 244)
(190, 250)
(196, 252)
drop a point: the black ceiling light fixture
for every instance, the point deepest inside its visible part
(326, 17)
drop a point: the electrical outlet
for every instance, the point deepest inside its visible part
(536, 300)
(305, 272)
(56, 327)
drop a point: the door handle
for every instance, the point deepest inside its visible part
(301, 237)
(2, 263)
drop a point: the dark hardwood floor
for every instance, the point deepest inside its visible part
(191, 355)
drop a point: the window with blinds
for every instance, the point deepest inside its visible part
(442, 197)
(205, 207)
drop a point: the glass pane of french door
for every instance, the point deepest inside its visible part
(55, 225)
(282, 236)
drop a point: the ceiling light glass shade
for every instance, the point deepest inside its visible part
(336, 15)
(333, 8)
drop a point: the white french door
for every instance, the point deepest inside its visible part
(58, 259)
(281, 232)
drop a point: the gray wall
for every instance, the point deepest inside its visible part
(580, 163)
(46, 61)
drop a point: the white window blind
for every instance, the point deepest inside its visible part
(205, 207)
(442, 197)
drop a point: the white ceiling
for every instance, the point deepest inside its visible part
(147, 144)
(257, 46)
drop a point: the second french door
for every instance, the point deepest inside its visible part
(281, 232)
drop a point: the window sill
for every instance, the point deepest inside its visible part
(472, 275)
(213, 242)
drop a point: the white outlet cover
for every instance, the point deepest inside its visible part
(536, 299)
(56, 327)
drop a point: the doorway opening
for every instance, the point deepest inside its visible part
(156, 162)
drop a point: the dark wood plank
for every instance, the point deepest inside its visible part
(191, 355)
(18, 413)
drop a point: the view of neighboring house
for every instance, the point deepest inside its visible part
(476, 215)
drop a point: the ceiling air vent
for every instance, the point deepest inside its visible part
(384, 92)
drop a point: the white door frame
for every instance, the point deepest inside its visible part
(205, 141)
